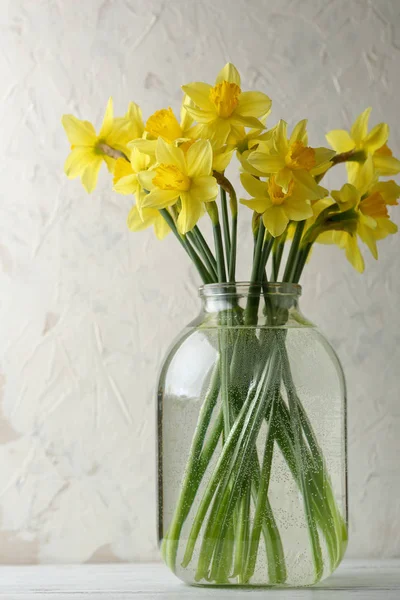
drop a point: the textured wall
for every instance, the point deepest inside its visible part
(88, 309)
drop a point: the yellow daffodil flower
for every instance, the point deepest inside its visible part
(88, 148)
(221, 108)
(277, 206)
(126, 180)
(146, 217)
(181, 176)
(291, 158)
(373, 143)
(372, 223)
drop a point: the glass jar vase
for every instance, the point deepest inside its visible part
(252, 443)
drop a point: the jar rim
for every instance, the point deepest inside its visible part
(247, 288)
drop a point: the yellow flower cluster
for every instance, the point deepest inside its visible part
(174, 167)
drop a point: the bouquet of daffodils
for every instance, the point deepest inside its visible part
(174, 169)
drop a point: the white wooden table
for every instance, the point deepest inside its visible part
(366, 580)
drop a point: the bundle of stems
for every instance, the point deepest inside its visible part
(229, 508)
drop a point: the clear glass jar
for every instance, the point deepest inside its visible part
(252, 443)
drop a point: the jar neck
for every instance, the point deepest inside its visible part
(251, 304)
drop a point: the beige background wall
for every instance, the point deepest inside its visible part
(88, 309)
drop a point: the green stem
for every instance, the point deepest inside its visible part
(297, 432)
(277, 253)
(193, 237)
(205, 246)
(192, 474)
(204, 274)
(262, 495)
(290, 265)
(225, 222)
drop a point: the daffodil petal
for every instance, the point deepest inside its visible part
(238, 118)
(77, 161)
(161, 227)
(253, 104)
(139, 160)
(299, 133)
(90, 175)
(199, 159)
(222, 159)
(377, 137)
(386, 165)
(204, 189)
(280, 138)
(322, 156)
(108, 120)
(259, 204)
(359, 129)
(389, 191)
(353, 253)
(297, 209)
(160, 198)
(228, 73)
(144, 146)
(340, 140)
(191, 212)
(169, 154)
(308, 185)
(283, 178)
(253, 186)
(201, 115)
(79, 133)
(135, 222)
(126, 185)
(145, 179)
(199, 92)
(266, 163)
(275, 220)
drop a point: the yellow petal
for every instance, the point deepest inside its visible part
(297, 209)
(386, 165)
(377, 137)
(389, 191)
(353, 253)
(275, 220)
(308, 186)
(90, 175)
(122, 169)
(108, 120)
(359, 129)
(161, 227)
(191, 212)
(77, 161)
(340, 140)
(253, 186)
(367, 236)
(145, 179)
(238, 118)
(204, 189)
(199, 159)
(228, 73)
(280, 138)
(160, 198)
(283, 178)
(201, 115)
(79, 133)
(135, 222)
(139, 161)
(299, 133)
(259, 204)
(144, 146)
(169, 154)
(322, 157)
(363, 176)
(199, 92)
(221, 159)
(126, 185)
(253, 104)
(266, 163)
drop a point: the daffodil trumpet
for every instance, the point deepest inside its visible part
(174, 169)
